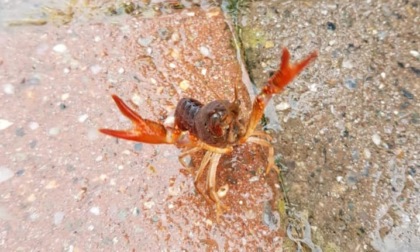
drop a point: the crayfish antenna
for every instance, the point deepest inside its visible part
(144, 130)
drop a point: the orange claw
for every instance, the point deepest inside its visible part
(287, 72)
(144, 130)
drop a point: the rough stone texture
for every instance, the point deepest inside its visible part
(64, 186)
(350, 139)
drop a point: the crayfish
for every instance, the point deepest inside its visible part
(216, 127)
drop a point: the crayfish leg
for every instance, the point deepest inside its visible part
(211, 185)
(265, 143)
(203, 165)
(186, 153)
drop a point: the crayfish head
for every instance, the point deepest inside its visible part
(218, 123)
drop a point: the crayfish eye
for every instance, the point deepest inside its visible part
(216, 123)
(219, 116)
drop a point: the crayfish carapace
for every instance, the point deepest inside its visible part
(215, 127)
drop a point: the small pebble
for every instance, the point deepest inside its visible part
(138, 146)
(58, 218)
(33, 216)
(163, 33)
(135, 211)
(31, 198)
(95, 69)
(4, 124)
(204, 71)
(60, 48)
(54, 131)
(121, 70)
(254, 179)
(51, 185)
(20, 132)
(223, 191)
(415, 54)
(382, 35)
(149, 204)
(175, 37)
(65, 96)
(347, 64)
(269, 44)
(351, 178)
(366, 153)
(137, 99)
(350, 84)
(331, 26)
(83, 118)
(95, 210)
(155, 218)
(99, 158)
(8, 89)
(175, 54)
(173, 191)
(33, 125)
(122, 215)
(415, 70)
(282, 106)
(5, 174)
(20, 172)
(204, 51)
(33, 143)
(332, 42)
(145, 41)
(376, 139)
(407, 94)
(383, 75)
(33, 81)
(184, 85)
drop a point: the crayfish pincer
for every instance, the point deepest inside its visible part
(215, 127)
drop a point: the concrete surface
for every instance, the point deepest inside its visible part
(350, 124)
(65, 187)
(348, 142)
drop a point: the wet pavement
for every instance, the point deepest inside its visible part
(348, 139)
(66, 187)
(350, 123)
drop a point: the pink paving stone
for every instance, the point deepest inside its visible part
(140, 199)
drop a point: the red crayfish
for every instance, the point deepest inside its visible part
(215, 127)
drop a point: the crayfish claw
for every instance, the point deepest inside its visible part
(144, 130)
